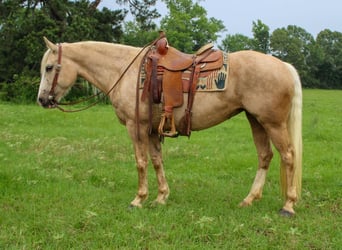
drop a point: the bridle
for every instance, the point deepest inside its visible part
(58, 69)
(55, 82)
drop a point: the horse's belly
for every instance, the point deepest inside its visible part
(209, 109)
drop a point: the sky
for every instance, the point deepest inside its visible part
(238, 16)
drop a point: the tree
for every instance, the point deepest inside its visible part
(293, 45)
(187, 26)
(236, 42)
(19, 46)
(142, 29)
(329, 68)
(143, 12)
(24, 23)
(137, 37)
(261, 34)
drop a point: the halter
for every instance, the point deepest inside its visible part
(58, 69)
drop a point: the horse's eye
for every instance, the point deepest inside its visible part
(48, 68)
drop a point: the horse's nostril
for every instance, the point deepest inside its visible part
(42, 102)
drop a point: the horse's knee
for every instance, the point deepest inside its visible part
(141, 165)
(156, 162)
(265, 159)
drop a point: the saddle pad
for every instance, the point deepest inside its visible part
(215, 80)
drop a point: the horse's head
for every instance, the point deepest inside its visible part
(58, 74)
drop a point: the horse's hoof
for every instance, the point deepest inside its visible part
(244, 204)
(158, 203)
(132, 207)
(286, 213)
(154, 204)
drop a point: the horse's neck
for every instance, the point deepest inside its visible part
(101, 63)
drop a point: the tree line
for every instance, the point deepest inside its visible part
(24, 23)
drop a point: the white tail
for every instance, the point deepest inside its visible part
(295, 131)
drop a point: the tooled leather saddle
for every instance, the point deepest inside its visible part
(165, 83)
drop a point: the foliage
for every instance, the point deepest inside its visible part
(232, 43)
(20, 49)
(23, 89)
(143, 14)
(187, 25)
(293, 45)
(66, 181)
(136, 37)
(328, 64)
(259, 42)
(24, 23)
(318, 61)
(142, 29)
(261, 34)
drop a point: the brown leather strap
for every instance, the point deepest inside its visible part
(188, 112)
(58, 69)
(155, 82)
(196, 69)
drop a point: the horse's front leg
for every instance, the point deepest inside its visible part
(157, 161)
(141, 157)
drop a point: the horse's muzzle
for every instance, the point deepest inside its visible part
(49, 102)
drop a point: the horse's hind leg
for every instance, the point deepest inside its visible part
(157, 161)
(264, 150)
(280, 138)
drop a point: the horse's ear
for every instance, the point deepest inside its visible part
(50, 45)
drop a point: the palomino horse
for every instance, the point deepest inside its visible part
(265, 88)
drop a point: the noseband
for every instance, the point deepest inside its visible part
(58, 69)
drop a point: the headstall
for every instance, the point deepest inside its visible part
(58, 69)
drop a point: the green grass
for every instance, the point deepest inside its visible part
(66, 181)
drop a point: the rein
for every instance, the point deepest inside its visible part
(55, 80)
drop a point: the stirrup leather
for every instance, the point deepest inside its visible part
(165, 119)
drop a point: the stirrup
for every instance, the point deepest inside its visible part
(173, 132)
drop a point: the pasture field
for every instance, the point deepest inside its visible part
(66, 181)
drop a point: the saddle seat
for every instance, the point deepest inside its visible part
(175, 60)
(164, 68)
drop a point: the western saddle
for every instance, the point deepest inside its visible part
(165, 83)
